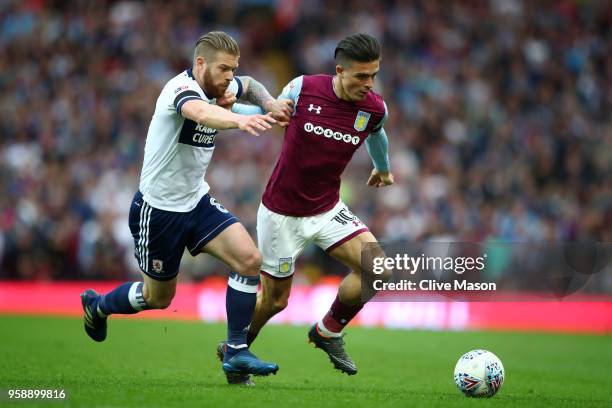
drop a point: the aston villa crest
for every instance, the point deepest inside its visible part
(284, 265)
(361, 121)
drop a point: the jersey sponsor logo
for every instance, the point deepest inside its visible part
(361, 121)
(331, 134)
(197, 135)
(181, 88)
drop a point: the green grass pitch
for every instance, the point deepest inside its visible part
(173, 364)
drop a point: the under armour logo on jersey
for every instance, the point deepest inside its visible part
(312, 108)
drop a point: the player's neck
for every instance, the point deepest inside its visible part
(198, 78)
(338, 90)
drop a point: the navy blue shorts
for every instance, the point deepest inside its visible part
(160, 237)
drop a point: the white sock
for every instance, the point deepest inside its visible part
(325, 332)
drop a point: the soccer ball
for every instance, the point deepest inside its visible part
(479, 373)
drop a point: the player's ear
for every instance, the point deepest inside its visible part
(339, 69)
(199, 61)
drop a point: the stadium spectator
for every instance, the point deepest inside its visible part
(499, 111)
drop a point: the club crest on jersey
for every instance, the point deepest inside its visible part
(158, 265)
(284, 265)
(361, 121)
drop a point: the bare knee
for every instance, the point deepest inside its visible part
(159, 301)
(275, 304)
(250, 264)
(369, 282)
(386, 275)
(370, 273)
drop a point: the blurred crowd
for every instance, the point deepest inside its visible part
(500, 122)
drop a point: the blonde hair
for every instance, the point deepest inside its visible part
(211, 43)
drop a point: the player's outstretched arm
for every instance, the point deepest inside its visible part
(228, 101)
(219, 118)
(257, 94)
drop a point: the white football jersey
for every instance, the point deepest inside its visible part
(178, 150)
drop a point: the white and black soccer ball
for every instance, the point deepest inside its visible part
(479, 373)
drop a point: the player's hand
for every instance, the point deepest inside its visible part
(253, 123)
(281, 110)
(380, 179)
(227, 100)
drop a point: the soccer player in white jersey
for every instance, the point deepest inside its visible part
(173, 209)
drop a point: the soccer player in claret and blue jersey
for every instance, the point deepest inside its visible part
(173, 209)
(333, 116)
